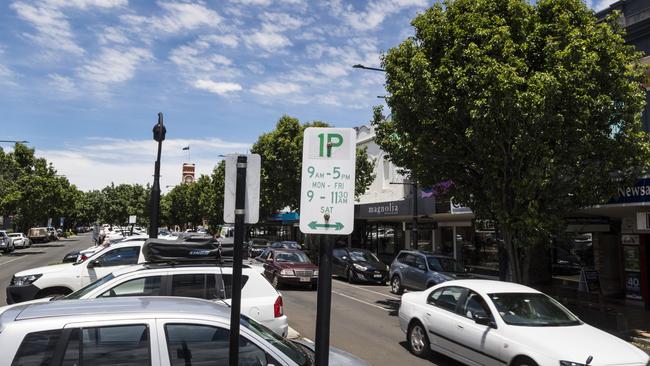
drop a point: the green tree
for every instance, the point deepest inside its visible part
(281, 153)
(533, 111)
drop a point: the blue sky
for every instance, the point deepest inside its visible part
(83, 80)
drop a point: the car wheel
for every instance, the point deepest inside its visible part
(524, 361)
(275, 281)
(418, 340)
(396, 286)
(350, 276)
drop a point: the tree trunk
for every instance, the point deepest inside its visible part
(514, 272)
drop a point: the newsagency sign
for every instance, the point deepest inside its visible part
(328, 174)
(639, 192)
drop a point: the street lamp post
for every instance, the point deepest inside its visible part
(359, 66)
(159, 132)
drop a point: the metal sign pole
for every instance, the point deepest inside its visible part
(324, 300)
(240, 212)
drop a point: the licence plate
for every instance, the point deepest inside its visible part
(305, 279)
(377, 276)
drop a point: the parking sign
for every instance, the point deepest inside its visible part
(328, 174)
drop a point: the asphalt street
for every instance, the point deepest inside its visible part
(364, 322)
(36, 256)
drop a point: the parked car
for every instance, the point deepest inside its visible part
(483, 322)
(52, 234)
(143, 331)
(417, 270)
(38, 235)
(256, 246)
(260, 300)
(287, 244)
(62, 279)
(6, 243)
(289, 267)
(356, 264)
(20, 240)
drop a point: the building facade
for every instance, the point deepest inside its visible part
(188, 173)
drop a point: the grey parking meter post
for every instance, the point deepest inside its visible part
(241, 207)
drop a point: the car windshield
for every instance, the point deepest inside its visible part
(291, 257)
(296, 354)
(444, 265)
(14, 235)
(85, 290)
(363, 256)
(532, 310)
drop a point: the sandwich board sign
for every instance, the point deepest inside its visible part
(327, 187)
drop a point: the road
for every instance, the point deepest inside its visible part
(36, 256)
(364, 322)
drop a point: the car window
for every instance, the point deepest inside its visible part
(227, 284)
(338, 253)
(195, 344)
(119, 257)
(199, 285)
(37, 348)
(419, 263)
(145, 286)
(123, 345)
(446, 297)
(409, 260)
(296, 257)
(475, 305)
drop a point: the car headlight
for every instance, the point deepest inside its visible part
(360, 267)
(387, 268)
(287, 272)
(26, 280)
(316, 273)
(569, 363)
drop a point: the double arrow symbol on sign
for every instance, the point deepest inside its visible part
(314, 225)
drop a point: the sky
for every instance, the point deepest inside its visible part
(83, 80)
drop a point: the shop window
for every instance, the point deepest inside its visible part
(570, 254)
(480, 251)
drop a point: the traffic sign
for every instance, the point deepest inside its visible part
(327, 189)
(253, 166)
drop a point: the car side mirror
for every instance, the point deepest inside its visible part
(93, 264)
(483, 319)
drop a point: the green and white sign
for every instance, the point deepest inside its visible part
(327, 191)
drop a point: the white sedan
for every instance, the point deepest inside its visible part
(20, 240)
(482, 322)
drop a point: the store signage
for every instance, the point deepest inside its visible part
(639, 192)
(132, 219)
(328, 178)
(589, 281)
(633, 286)
(457, 208)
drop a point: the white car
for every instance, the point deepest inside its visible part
(483, 322)
(260, 300)
(20, 240)
(62, 279)
(165, 331)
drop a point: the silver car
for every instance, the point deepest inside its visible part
(20, 240)
(142, 331)
(6, 243)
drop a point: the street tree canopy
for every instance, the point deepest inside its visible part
(281, 154)
(532, 111)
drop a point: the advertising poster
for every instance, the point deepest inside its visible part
(633, 286)
(631, 257)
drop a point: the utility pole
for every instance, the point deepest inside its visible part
(240, 215)
(159, 132)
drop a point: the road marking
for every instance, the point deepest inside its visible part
(361, 301)
(374, 292)
(15, 259)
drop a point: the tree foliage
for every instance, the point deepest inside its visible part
(281, 153)
(533, 111)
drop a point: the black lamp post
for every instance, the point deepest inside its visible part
(159, 131)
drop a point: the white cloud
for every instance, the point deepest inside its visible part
(269, 42)
(272, 88)
(113, 66)
(599, 5)
(220, 88)
(113, 35)
(52, 27)
(62, 83)
(333, 70)
(95, 163)
(178, 17)
(375, 13)
(84, 4)
(229, 40)
(253, 2)
(281, 22)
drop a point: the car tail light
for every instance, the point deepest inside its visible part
(83, 258)
(278, 307)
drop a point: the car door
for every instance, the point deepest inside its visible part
(442, 318)
(199, 343)
(151, 285)
(109, 261)
(480, 341)
(418, 273)
(405, 264)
